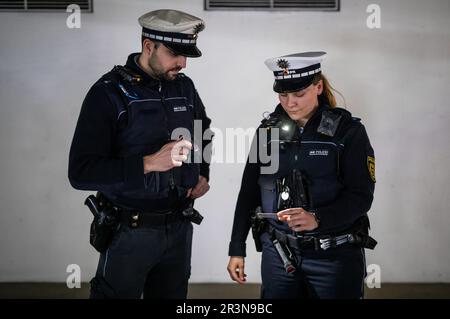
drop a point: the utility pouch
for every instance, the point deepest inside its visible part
(360, 233)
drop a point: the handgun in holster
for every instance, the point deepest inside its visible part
(105, 221)
(258, 225)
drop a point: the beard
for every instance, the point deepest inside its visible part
(160, 73)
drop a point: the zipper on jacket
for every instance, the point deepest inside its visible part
(166, 118)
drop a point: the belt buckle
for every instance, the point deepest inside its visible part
(315, 240)
(303, 240)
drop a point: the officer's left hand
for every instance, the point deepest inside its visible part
(201, 188)
(298, 219)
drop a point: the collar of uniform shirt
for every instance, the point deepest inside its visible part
(132, 63)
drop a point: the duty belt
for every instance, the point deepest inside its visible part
(310, 242)
(140, 218)
(135, 218)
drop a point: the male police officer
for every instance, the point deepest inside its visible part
(124, 146)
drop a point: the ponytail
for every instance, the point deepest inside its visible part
(327, 96)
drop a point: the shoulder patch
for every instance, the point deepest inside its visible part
(371, 167)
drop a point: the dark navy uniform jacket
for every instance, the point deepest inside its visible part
(120, 122)
(339, 172)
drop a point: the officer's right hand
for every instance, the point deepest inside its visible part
(236, 269)
(171, 155)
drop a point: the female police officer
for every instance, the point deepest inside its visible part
(322, 190)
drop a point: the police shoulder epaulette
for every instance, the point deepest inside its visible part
(109, 77)
(268, 118)
(341, 111)
(183, 78)
(117, 79)
(127, 75)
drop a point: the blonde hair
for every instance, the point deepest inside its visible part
(327, 95)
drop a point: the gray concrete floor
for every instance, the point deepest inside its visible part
(219, 291)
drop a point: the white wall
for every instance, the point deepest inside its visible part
(396, 78)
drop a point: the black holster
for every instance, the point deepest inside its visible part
(257, 228)
(105, 221)
(186, 208)
(360, 232)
